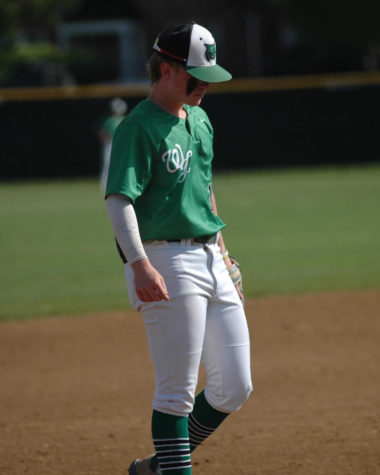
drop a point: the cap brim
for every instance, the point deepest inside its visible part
(208, 73)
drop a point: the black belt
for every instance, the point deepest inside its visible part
(208, 239)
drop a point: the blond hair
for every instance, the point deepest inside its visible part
(154, 66)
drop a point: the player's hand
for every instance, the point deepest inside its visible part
(149, 284)
(229, 264)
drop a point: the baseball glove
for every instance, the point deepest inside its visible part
(236, 274)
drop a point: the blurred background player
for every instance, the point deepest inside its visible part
(106, 128)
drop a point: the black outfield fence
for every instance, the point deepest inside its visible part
(258, 123)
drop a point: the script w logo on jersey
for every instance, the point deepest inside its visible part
(176, 160)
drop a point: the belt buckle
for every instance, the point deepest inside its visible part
(208, 239)
(213, 239)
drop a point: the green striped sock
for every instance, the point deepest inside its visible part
(203, 421)
(171, 441)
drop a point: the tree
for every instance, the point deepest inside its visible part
(27, 38)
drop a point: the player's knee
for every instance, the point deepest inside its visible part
(233, 399)
(237, 397)
(177, 405)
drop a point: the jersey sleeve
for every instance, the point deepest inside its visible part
(131, 161)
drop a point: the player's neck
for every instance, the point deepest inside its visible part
(167, 102)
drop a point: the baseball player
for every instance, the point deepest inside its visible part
(106, 129)
(178, 272)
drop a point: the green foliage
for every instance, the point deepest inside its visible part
(25, 15)
(41, 53)
(292, 231)
(26, 34)
(30, 52)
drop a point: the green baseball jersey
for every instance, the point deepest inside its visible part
(163, 164)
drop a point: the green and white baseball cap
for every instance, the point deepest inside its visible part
(194, 48)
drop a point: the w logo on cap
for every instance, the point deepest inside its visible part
(210, 52)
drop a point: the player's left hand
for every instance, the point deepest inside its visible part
(234, 270)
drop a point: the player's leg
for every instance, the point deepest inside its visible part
(226, 358)
(175, 334)
(203, 421)
(228, 384)
(175, 331)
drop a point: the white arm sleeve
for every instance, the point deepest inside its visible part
(125, 226)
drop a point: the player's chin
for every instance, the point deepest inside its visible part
(195, 99)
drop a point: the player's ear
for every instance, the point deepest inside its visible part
(166, 70)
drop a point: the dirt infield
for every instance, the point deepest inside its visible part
(76, 393)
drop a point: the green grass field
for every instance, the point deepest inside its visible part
(293, 231)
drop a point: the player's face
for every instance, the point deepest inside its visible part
(190, 89)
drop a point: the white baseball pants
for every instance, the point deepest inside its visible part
(203, 322)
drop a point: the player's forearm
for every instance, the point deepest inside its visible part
(125, 226)
(149, 284)
(223, 250)
(221, 244)
(213, 204)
